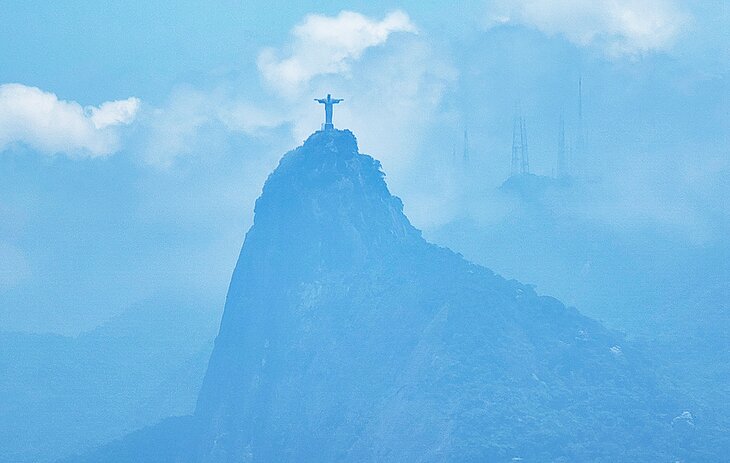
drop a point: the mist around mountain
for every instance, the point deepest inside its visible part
(347, 337)
(64, 395)
(667, 295)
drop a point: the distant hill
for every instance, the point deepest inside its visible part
(669, 295)
(532, 187)
(67, 394)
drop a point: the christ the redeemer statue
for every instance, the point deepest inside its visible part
(328, 103)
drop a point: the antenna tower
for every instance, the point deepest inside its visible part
(562, 169)
(579, 151)
(520, 156)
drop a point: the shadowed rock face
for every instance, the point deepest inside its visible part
(347, 337)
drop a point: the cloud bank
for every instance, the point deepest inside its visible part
(38, 119)
(618, 27)
(394, 88)
(327, 45)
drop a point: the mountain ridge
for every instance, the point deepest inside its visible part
(347, 336)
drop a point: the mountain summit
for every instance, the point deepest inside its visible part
(326, 206)
(347, 337)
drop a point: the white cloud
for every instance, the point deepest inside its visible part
(327, 45)
(244, 116)
(114, 113)
(173, 130)
(184, 126)
(390, 91)
(40, 120)
(618, 27)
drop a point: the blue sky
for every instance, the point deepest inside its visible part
(134, 139)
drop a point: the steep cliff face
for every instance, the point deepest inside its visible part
(324, 228)
(347, 337)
